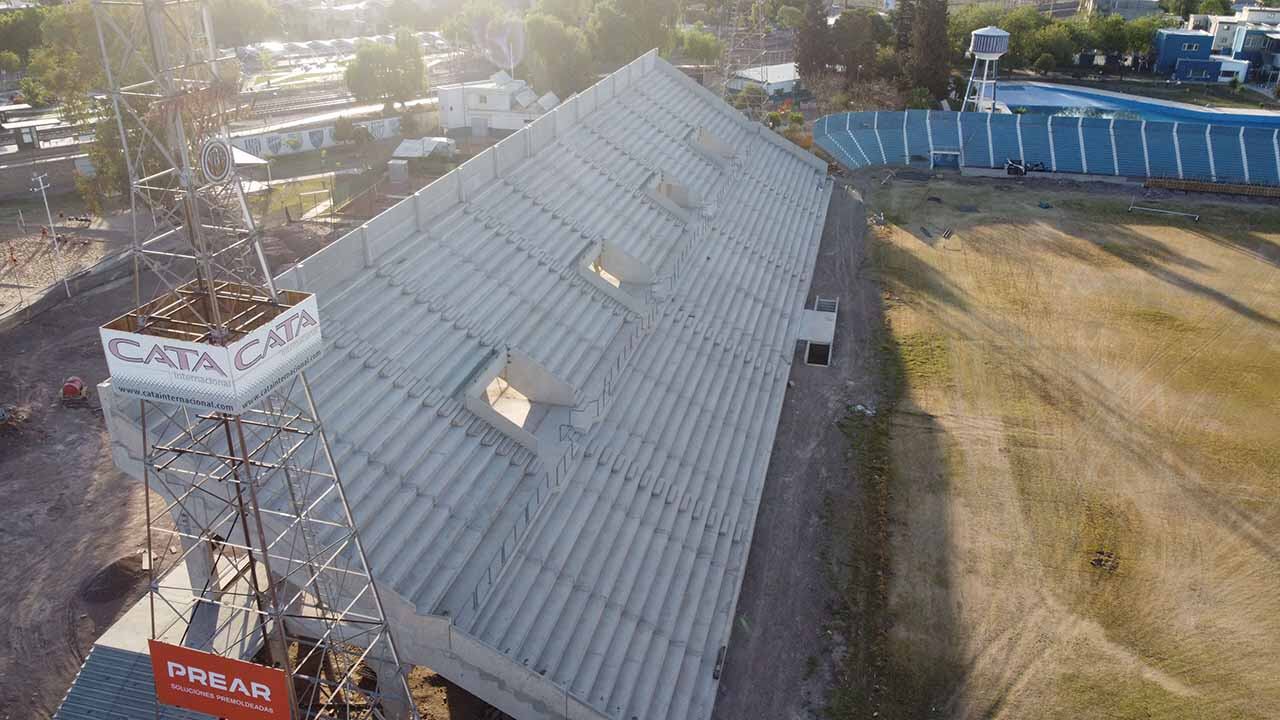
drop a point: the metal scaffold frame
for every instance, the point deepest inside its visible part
(255, 555)
(744, 28)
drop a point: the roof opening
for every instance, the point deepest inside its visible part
(676, 192)
(818, 354)
(818, 330)
(597, 267)
(519, 397)
(707, 142)
(508, 401)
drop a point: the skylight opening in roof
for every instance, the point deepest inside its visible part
(509, 402)
(598, 268)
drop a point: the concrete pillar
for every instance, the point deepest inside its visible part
(395, 705)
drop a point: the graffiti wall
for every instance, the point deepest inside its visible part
(291, 142)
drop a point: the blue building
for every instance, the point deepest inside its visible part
(1175, 46)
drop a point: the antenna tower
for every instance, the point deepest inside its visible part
(255, 556)
(744, 30)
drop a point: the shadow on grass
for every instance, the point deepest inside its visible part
(901, 658)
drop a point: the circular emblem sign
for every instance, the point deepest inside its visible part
(215, 160)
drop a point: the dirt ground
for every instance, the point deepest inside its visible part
(786, 647)
(1082, 462)
(69, 515)
(70, 546)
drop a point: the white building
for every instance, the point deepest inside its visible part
(1224, 27)
(499, 103)
(772, 79)
(1231, 68)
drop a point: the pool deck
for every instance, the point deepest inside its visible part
(1137, 103)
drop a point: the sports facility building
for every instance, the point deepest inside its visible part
(552, 380)
(1237, 154)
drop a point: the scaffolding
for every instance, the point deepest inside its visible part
(744, 31)
(255, 555)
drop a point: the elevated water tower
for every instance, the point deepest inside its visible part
(986, 45)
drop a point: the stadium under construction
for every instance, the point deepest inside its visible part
(550, 384)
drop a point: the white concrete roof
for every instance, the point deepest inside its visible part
(780, 73)
(419, 147)
(597, 573)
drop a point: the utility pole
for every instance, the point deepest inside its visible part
(41, 183)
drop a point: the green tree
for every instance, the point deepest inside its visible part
(1140, 33)
(402, 13)
(813, 42)
(65, 68)
(920, 99)
(621, 30)
(469, 25)
(964, 19)
(1022, 24)
(701, 46)
(387, 73)
(237, 23)
(9, 61)
(1045, 64)
(1214, 7)
(790, 16)
(572, 13)
(1110, 34)
(343, 129)
(1055, 40)
(20, 31)
(904, 13)
(887, 65)
(558, 53)
(930, 55)
(853, 39)
(1181, 8)
(1084, 30)
(750, 99)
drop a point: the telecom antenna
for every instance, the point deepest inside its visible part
(986, 45)
(744, 29)
(255, 560)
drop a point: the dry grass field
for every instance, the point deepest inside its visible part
(1082, 506)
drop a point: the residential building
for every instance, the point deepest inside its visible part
(1251, 35)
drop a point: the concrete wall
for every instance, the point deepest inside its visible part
(1169, 48)
(536, 382)
(16, 181)
(519, 691)
(292, 142)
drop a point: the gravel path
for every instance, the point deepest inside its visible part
(782, 658)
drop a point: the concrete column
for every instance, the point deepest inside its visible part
(395, 705)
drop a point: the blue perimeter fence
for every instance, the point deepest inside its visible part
(1093, 146)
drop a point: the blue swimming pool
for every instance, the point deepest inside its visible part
(1068, 100)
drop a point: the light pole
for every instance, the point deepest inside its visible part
(41, 183)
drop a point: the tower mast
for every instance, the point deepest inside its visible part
(255, 557)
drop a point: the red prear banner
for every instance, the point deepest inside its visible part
(219, 686)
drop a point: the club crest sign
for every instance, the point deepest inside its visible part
(215, 160)
(227, 378)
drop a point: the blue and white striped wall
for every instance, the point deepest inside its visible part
(1094, 146)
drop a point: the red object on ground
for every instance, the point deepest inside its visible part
(73, 388)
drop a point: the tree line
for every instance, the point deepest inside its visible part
(915, 47)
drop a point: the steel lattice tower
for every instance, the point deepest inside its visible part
(744, 29)
(256, 556)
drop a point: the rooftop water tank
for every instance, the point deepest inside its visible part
(988, 43)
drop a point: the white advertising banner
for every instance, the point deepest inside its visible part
(231, 378)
